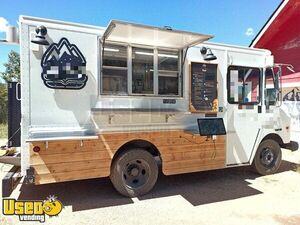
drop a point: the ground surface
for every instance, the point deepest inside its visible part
(231, 196)
(3, 130)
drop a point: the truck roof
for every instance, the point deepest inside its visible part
(100, 30)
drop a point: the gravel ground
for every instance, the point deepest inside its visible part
(229, 196)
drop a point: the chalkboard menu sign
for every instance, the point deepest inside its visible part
(203, 87)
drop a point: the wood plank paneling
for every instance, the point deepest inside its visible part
(181, 152)
(58, 147)
(70, 160)
(198, 168)
(192, 163)
(69, 166)
(193, 147)
(191, 155)
(37, 159)
(68, 176)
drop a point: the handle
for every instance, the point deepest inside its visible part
(17, 91)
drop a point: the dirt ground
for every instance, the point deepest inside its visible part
(230, 196)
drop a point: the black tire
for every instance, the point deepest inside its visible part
(134, 172)
(267, 159)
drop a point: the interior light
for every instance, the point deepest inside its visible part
(169, 56)
(161, 55)
(143, 53)
(111, 49)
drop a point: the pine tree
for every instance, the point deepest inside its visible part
(12, 67)
(11, 73)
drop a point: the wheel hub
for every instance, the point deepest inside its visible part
(134, 172)
(267, 156)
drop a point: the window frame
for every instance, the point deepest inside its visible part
(155, 72)
(259, 85)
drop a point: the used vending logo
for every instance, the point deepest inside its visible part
(32, 210)
(64, 66)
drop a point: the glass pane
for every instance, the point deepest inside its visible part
(168, 85)
(114, 81)
(142, 71)
(270, 91)
(251, 85)
(235, 94)
(168, 72)
(269, 78)
(114, 73)
(115, 55)
(244, 85)
(167, 60)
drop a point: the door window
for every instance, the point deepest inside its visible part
(243, 85)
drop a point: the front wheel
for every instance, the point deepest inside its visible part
(267, 158)
(134, 172)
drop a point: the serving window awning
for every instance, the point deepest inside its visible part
(119, 31)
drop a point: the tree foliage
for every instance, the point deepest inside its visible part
(3, 103)
(12, 67)
(11, 73)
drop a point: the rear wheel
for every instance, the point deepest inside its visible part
(134, 172)
(267, 158)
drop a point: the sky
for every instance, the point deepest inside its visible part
(230, 21)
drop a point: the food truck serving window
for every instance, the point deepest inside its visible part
(153, 59)
(243, 85)
(146, 66)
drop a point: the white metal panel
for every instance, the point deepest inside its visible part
(61, 25)
(246, 59)
(65, 138)
(59, 108)
(120, 31)
(243, 132)
(25, 95)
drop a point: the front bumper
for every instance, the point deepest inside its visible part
(292, 145)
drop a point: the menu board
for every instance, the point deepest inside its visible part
(203, 86)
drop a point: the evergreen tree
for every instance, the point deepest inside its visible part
(11, 73)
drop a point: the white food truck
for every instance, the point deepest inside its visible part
(112, 101)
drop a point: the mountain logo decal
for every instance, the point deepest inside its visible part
(64, 66)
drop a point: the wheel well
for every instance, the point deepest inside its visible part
(274, 137)
(148, 146)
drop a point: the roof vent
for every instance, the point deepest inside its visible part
(168, 28)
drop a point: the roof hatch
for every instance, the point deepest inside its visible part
(119, 31)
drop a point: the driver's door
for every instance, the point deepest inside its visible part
(244, 106)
